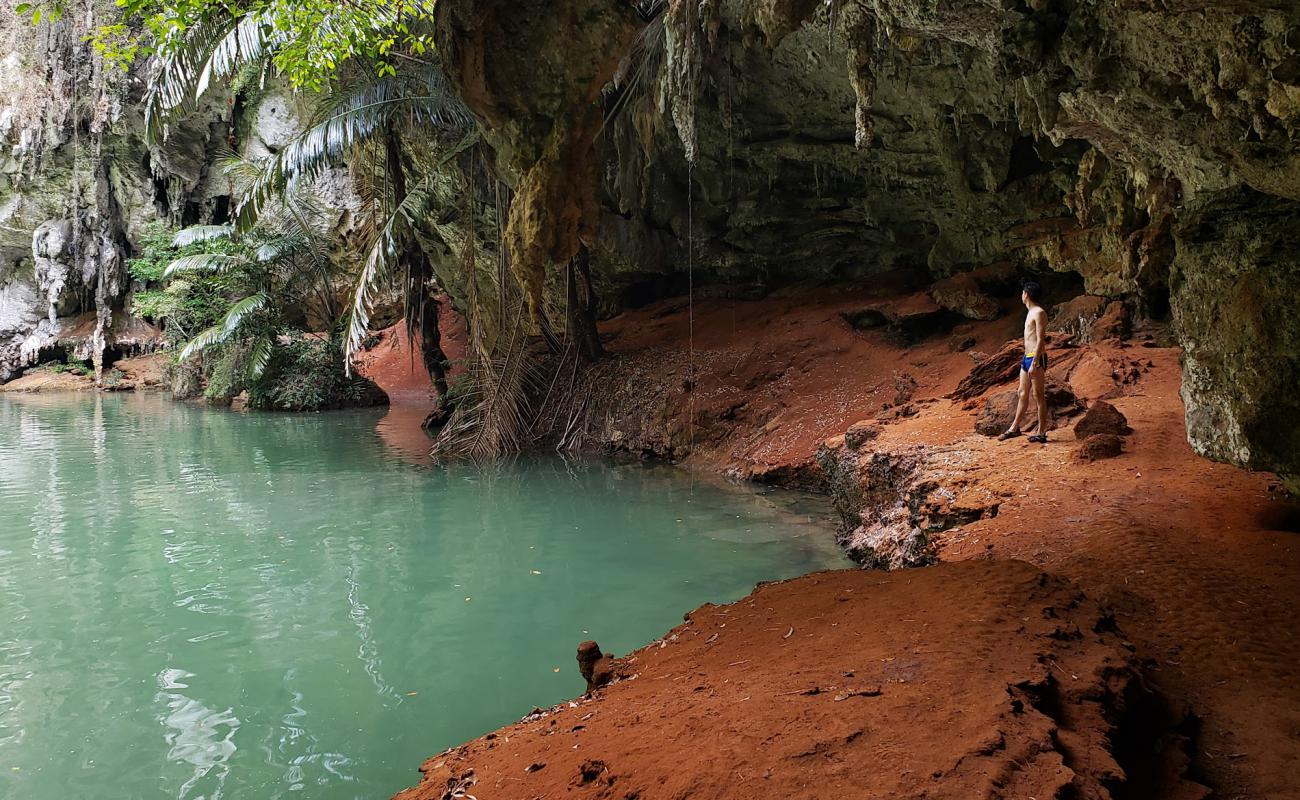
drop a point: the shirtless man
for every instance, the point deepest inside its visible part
(1033, 367)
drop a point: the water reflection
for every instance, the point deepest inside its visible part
(402, 432)
(197, 736)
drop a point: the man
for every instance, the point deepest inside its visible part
(1033, 367)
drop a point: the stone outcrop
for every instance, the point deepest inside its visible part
(1000, 409)
(1100, 446)
(80, 183)
(1234, 294)
(892, 501)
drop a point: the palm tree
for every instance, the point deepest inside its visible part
(367, 114)
(415, 147)
(282, 268)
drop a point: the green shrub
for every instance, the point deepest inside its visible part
(186, 304)
(74, 367)
(306, 374)
(153, 304)
(156, 253)
(226, 367)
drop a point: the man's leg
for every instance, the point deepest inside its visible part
(1039, 380)
(1022, 402)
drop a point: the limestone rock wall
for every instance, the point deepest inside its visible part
(78, 185)
(79, 182)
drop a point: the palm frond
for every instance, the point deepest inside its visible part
(642, 64)
(251, 39)
(260, 356)
(204, 339)
(223, 330)
(383, 250)
(192, 61)
(215, 263)
(492, 418)
(345, 120)
(281, 248)
(201, 233)
(170, 87)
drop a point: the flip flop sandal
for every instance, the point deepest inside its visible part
(1038, 438)
(1009, 435)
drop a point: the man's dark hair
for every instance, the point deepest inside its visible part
(1033, 290)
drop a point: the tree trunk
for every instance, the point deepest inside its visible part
(420, 306)
(435, 360)
(582, 311)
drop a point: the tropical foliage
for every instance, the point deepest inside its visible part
(305, 40)
(431, 220)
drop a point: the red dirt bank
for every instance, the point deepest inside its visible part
(1198, 563)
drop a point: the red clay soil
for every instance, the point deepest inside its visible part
(960, 681)
(1198, 562)
(397, 367)
(774, 378)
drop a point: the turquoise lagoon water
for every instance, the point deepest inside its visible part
(197, 603)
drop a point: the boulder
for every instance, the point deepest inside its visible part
(991, 371)
(960, 343)
(865, 319)
(859, 433)
(1237, 316)
(597, 668)
(1100, 446)
(962, 294)
(1077, 316)
(1002, 366)
(1114, 323)
(1000, 409)
(890, 540)
(1102, 418)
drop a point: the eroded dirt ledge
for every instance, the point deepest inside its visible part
(978, 679)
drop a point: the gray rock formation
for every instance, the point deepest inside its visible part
(1236, 287)
(79, 183)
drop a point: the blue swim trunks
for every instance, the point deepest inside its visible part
(1027, 362)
